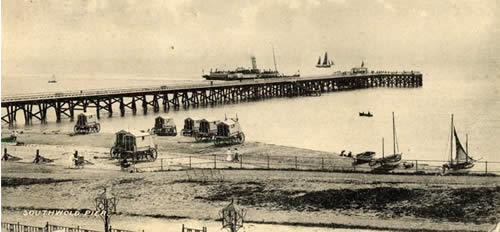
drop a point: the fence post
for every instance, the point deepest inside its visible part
(241, 161)
(295, 162)
(416, 165)
(267, 161)
(161, 164)
(215, 161)
(322, 163)
(182, 227)
(189, 162)
(486, 167)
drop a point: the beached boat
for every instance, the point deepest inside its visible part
(387, 163)
(363, 114)
(462, 162)
(364, 157)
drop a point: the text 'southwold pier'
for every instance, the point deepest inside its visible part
(36, 106)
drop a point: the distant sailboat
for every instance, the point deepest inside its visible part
(463, 162)
(326, 63)
(53, 80)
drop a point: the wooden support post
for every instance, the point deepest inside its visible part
(71, 106)
(161, 168)
(296, 166)
(215, 161)
(241, 161)
(165, 103)
(122, 107)
(156, 105)
(110, 107)
(322, 163)
(190, 167)
(416, 165)
(486, 167)
(84, 105)
(134, 106)
(58, 111)
(98, 108)
(267, 161)
(145, 104)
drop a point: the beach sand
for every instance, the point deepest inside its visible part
(326, 199)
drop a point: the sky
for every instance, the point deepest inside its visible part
(176, 38)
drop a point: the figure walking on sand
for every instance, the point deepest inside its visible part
(37, 157)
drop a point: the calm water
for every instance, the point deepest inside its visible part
(330, 122)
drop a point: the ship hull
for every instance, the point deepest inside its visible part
(219, 78)
(460, 168)
(386, 164)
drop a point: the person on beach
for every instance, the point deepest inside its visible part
(236, 158)
(37, 158)
(71, 161)
(229, 155)
(75, 158)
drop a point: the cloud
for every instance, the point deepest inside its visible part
(90, 35)
(387, 5)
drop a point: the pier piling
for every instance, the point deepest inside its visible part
(206, 94)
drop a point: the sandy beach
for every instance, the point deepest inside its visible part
(306, 198)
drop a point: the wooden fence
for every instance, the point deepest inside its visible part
(12, 227)
(335, 164)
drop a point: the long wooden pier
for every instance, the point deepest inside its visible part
(64, 104)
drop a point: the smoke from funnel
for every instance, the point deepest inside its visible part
(254, 63)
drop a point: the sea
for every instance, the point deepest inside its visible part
(328, 123)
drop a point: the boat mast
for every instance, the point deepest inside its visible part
(451, 141)
(467, 148)
(274, 59)
(467, 143)
(382, 147)
(393, 133)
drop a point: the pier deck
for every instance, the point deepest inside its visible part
(204, 93)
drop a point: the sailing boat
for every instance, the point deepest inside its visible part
(387, 163)
(53, 80)
(326, 63)
(463, 162)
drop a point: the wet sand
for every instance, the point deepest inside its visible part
(326, 199)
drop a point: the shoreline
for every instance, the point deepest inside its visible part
(265, 193)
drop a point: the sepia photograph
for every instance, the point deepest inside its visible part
(250, 115)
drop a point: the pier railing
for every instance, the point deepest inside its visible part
(202, 84)
(38, 106)
(333, 164)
